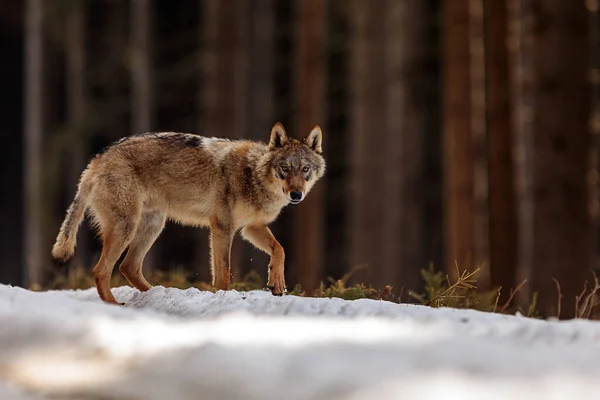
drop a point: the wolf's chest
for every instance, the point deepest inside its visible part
(245, 214)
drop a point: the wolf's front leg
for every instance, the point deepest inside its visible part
(220, 246)
(262, 237)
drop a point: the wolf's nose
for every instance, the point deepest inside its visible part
(296, 196)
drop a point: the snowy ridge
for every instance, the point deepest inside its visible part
(187, 344)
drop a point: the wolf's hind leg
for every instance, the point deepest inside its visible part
(262, 237)
(150, 226)
(116, 235)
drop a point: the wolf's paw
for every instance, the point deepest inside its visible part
(276, 285)
(276, 292)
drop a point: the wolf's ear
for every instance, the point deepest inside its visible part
(314, 139)
(279, 137)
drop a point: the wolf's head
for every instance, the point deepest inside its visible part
(298, 165)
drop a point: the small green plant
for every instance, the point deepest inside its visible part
(297, 291)
(463, 293)
(339, 288)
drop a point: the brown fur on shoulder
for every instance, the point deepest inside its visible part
(139, 182)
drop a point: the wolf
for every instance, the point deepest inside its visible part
(130, 189)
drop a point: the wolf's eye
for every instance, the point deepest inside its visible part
(306, 168)
(285, 168)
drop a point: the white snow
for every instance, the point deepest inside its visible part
(187, 344)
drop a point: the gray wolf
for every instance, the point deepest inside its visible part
(130, 189)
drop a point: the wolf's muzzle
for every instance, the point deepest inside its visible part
(296, 197)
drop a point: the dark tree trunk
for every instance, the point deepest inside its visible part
(34, 254)
(403, 151)
(458, 143)
(307, 264)
(503, 228)
(142, 87)
(240, 18)
(389, 113)
(367, 142)
(225, 82)
(564, 240)
(434, 229)
(557, 236)
(338, 52)
(201, 255)
(76, 104)
(481, 211)
(261, 105)
(260, 99)
(142, 84)
(520, 26)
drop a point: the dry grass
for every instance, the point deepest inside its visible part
(560, 297)
(585, 302)
(454, 291)
(439, 290)
(462, 293)
(511, 296)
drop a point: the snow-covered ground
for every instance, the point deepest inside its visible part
(186, 344)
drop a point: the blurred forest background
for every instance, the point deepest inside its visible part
(457, 132)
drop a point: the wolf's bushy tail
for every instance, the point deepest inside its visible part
(64, 247)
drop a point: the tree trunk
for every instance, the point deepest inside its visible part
(241, 250)
(520, 66)
(389, 79)
(564, 245)
(201, 256)
(34, 131)
(142, 65)
(556, 226)
(142, 90)
(434, 201)
(338, 52)
(503, 228)
(310, 105)
(225, 81)
(595, 122)
(262, 47)
(458, 143)
(76, 110)
(403, 150)
(367, 131)
(261, 99)
(481, 214)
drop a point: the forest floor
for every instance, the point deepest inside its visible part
(170, 343)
